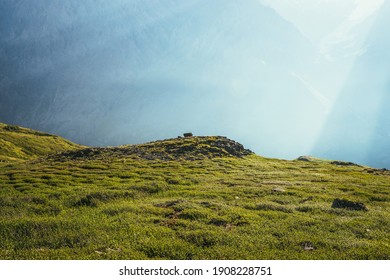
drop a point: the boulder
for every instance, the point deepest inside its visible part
(344, 163)
(349, 205)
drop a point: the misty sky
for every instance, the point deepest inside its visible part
(284, 78)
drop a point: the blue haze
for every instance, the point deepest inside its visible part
(120, 72)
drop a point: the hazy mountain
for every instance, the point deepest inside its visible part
(359, 126)
(308, 15)
(107, 73)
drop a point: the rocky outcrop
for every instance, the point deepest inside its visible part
(344, 163)
(189, 148)
(378, 171)
(349, 205)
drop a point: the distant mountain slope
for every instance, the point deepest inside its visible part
(110, 73)
(18, 143)
(363, 106)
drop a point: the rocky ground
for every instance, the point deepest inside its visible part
(188, 148)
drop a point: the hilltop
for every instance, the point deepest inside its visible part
(188, 148)
(18, 143)
(187, 198)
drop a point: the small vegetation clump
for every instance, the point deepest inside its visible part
(190, 198)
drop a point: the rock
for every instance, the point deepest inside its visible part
(343, 163)
(310, 159)
(307, 246)
(304, 158)
(376, 171)
(349, 205)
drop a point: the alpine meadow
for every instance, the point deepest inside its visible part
(184, 198)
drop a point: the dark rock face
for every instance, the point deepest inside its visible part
(188, 148)
(349, 205)
(344, 163)
(303, 158)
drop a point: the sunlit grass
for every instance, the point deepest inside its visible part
(221, 208)
(17, 143)
(193, 198)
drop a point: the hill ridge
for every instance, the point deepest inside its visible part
(187, 148)
(19, 143)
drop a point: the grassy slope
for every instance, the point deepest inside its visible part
(17, 143)
(113, 204)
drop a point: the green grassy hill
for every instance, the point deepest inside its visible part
(191, 198)
(17, 143)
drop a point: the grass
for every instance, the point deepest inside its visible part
(125, 206)
(18, 143)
